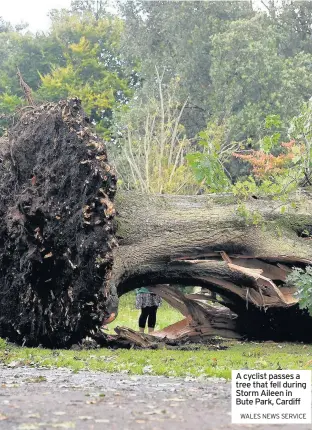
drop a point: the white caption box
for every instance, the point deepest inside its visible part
(271, 396)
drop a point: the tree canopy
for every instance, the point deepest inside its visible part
(200, 80)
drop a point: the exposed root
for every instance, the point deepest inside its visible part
(56, 229)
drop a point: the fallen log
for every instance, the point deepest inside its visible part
(202, 241)
(61, 269)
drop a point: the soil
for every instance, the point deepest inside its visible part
(32, 398)
(56, 228)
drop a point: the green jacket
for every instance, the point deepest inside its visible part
(142, 290)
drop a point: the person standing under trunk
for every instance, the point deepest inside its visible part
(148, 303)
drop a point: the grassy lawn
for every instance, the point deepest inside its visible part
(128, 315)
(201, 362)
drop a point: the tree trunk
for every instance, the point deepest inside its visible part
(203, 241)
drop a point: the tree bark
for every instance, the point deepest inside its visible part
(203, 241)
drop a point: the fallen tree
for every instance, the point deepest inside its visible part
(61, 268)
(202, 240)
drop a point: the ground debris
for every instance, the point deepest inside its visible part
(129, 338)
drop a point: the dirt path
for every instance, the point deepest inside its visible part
(33, 399)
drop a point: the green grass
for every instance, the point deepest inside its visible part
(128, 315)
(166, 362)
(201, 362)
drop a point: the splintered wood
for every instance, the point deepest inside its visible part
(260, 282)
(260, 273)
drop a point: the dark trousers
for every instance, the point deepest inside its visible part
(149, 312)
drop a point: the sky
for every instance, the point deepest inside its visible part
(33, 12)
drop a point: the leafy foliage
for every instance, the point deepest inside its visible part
(208, 164)
(251, 79)
(302, 279)
(238, 73)
(177, 37)
(8, 105)
(301, 130)
(277, 167)
(93, 70)
(266, 165)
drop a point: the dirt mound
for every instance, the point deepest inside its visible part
(56, 227)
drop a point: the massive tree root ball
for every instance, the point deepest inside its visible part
(56, 227)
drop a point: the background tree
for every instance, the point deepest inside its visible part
(176, 37)
(93, 69)
(251, 79)
(232, 65)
